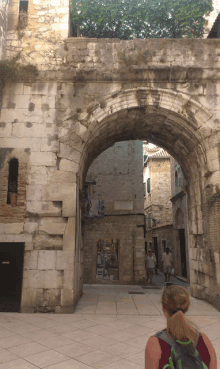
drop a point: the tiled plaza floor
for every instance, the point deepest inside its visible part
(109, 329)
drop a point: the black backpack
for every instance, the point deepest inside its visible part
(183, 355)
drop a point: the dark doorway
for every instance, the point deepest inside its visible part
(156, 252)
(183, 252)
(11, 270)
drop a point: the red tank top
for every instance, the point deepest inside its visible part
(201, 348)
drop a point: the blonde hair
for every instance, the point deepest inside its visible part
(176, 297)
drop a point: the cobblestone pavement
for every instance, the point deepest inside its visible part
(109, 328)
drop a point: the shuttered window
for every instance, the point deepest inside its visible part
(148, 185)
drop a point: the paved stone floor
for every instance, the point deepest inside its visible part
(109, 329)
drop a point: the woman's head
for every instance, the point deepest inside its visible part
(175, 303)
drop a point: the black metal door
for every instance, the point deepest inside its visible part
(156, 253)
(11, 270)
(183, 252)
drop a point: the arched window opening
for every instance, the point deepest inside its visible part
(12, 182)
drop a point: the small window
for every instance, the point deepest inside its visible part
(12, 181)
(144, 189)
(23, 14)
(23, 6)
(148, 185)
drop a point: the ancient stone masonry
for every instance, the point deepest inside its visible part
(3, 26)
(88, 95)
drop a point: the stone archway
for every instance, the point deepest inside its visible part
(172, 120)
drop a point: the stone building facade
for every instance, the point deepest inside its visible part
(83, 100)
(114, 214)
(180, 220)
(157, 204)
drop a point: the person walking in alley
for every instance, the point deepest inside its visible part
(167, 263)
(180, 344)
(150, 265)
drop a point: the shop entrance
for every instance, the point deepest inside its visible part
(11, 270)
(107, 264)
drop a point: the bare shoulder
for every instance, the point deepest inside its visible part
(211, 350)
(153, 347)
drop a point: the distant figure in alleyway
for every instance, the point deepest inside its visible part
(150, 265)
(181, 338)
(167, 264)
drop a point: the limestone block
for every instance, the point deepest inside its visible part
(48, 208)
(34, 192)
(47, 259)
(11, 228)
(37, 175)
(28, 129)
(9, 115)
(48, 145)
(193, 252)
(68, 279)
(217, 268)
(5, 129)
(69, 153)
(43, 279)
(193, 276)
(28, 246)
(21, 143)
(194, 264)
(43, 158)
(68, 165)
(45, 242)
(58, 176)
(68, 242)
(53, 225)
(12, 88)
(41, 88)
(28, 297)
(65, 260)
(17, 101)
(48, 298)
(30, 259)
(66, 297)
(16, 238)
(216, 256)
(30, 227)
(208, 281)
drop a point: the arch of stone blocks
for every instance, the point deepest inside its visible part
(172, 120)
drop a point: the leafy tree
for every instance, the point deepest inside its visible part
(127, 19)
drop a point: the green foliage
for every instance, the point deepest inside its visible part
(128, 19)
(213, 198)
(12, 70)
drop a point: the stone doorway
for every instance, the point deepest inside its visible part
(11, 270)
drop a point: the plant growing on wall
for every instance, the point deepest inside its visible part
(128, 19)
(12, 70)
(215, 196)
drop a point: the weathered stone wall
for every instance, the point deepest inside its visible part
(84, 99)
(3, 26)
(159, 197)
(118, 173)
(131, 247)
